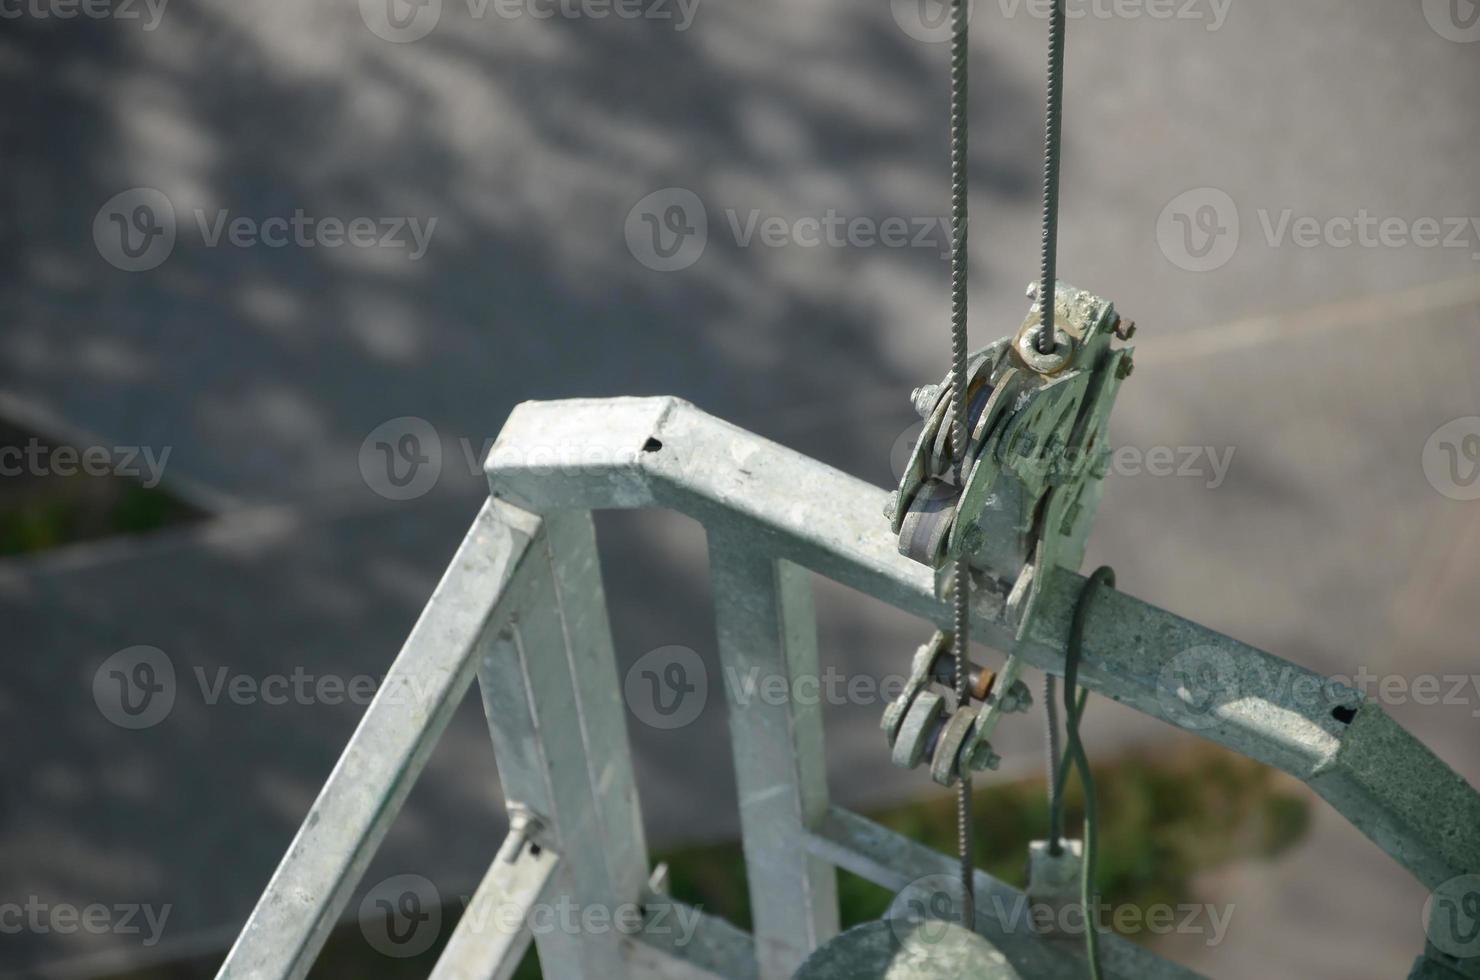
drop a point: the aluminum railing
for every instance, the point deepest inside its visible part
(522, 607)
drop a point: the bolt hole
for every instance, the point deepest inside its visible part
(534, 849)
(652, 445)
(1344, 714)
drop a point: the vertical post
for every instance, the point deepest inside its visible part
(554, 707)
(767, 642)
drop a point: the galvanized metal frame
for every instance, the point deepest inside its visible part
(522, 606)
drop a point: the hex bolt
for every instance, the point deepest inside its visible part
(1125, 329)
(1017, 699)
(984, 758)
(924, 398)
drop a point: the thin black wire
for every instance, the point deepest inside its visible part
(1051, 709)
(1075, 754)
(1053, 145)
(959, 55)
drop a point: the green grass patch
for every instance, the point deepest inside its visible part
(53, 506)
(1162, 821)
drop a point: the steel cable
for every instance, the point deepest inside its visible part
(1052, 151)
(960, 24)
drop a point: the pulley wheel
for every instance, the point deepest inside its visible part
(932, 949)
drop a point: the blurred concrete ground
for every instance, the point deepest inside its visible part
(1193, 143)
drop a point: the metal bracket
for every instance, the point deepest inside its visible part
(1036, 459)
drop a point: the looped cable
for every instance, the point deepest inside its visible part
(1076, 758)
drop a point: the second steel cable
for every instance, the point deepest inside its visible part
(1052, 151)
(959, 57)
